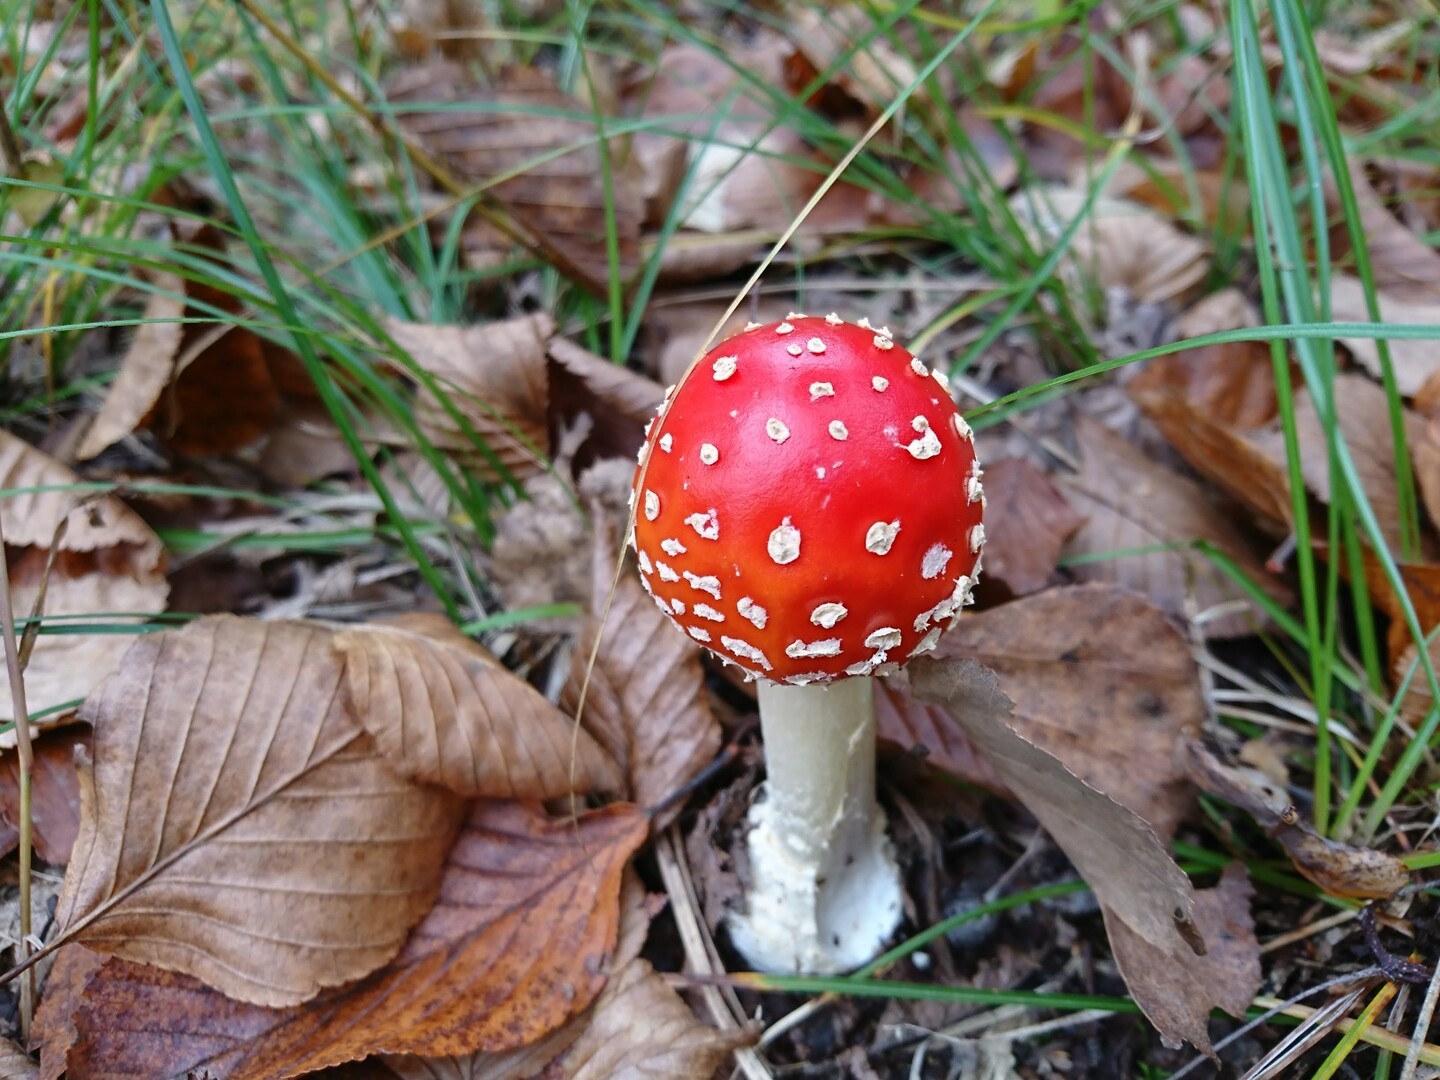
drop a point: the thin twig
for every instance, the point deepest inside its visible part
(27, 761)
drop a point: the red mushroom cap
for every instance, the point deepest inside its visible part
(812, 504)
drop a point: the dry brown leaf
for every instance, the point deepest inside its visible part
(238, 825)
(1339, 869)
(109, 562)
(493, 375)
(1120, 245)
(930, 733)
(538, 151)
(867, 68)
(1102, 680)
(516, 945)
(1227, 977)
(1172, 188)
(15, 1064)
(1405, 267)
(1414, 361)
(1363, 412)
(443, 711)
(1130, 500)
(54, 1032)
(642, 1030)
(609, 401)
(1027, 523)
(1227, 309)
(1208, 402)
(1116, 852)
(144, 370)
(646, 701)
(683, 327)
(54, 793)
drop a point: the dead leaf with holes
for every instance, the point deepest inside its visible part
(645, 700)
(444, 711)
(1120, 245)
(238, 825)
(518, 942)
(107, 563)
(489, 396)
(543, 157)
(1131, 501)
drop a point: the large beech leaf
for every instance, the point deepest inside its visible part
(518, 942)
(239, 826)
(646, 700)
(443, 711)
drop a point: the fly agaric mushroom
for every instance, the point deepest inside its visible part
(809, 508)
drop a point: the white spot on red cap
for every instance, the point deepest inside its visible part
(645, 567)
(666, 442)
(827, 615)
(834, 320)
(699, 633)
(879, 382)
(917, 367)
(777, 430)
(864, 667)
(821, 389)
(709, 453)
(794, 349)
(933, 564)
(887, 637)
(784, 328)
(706, 524)
(652, 505)
(961, 427)
(977, 538)
(753, 326)
(815, 345)
(884, 344)
(927, 446)
(746, 651)
(820, 472)
(754, 612)
(974, 490)
(880, 536)
(708, 583)
(838, 430)
(724, 367)
(705, 611)
(784, 543)
(673, 548)
(803, 649)
(864, 323)
(667, 572)
(678, 606)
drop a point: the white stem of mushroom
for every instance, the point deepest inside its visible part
(825, 891)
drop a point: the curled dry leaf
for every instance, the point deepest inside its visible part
(1116, 852)
(1339, 869)
(1103, 680)
(1027, 524)
(538, 154)
(646, 701)
(516, 944)
(443, 711)
(54, 794)
(929, 732)
(1121, 245)
(238, 825)
(1132, 501)
(15, 1064)
(615, 402)
(1227, 977)
(493, 376)
(106, 561)
(643, 1030)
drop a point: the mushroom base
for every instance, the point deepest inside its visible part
(825, 892)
